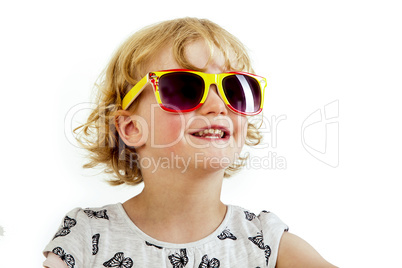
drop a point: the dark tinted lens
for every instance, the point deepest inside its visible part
(243, 92)
(181, 91)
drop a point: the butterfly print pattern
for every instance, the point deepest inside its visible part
(179, 260)
(227, 239)
(67, 258)
(95, 243)
(264, 211)
(259, 241)
(119, 261)
(65, 229)
(152, 245)
(249, 215)
(206, 263)
(101, 214)
(226, 234)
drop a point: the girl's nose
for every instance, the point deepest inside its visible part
(213, 103)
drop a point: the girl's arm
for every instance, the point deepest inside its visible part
(54, 261)
(295, 252)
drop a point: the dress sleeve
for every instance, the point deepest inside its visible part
(54, 261)
(272, 230)
(72, 241)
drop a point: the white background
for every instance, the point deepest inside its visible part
(313, 53)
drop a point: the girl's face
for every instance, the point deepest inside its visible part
(176, 137)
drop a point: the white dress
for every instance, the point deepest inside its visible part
(106, 237)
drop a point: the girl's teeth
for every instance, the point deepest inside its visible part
(217, 132)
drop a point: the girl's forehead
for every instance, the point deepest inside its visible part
(197, 53)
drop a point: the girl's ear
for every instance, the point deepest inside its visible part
(133, 129)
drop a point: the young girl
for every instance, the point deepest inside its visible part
(173, 112)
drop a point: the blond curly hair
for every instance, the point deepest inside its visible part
(127, 66)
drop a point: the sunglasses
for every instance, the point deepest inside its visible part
(181, 90)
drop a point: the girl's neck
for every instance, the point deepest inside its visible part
(178, 209)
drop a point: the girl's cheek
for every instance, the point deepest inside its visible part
(167, 130)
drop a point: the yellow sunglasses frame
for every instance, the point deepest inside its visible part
(209, 79)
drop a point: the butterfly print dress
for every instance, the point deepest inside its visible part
(106, 237)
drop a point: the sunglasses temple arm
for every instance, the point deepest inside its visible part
(134, 92)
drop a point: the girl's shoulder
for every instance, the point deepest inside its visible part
(82, 226)
(260, 231)
(82, 219)
(265, 220)
(294, 250)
